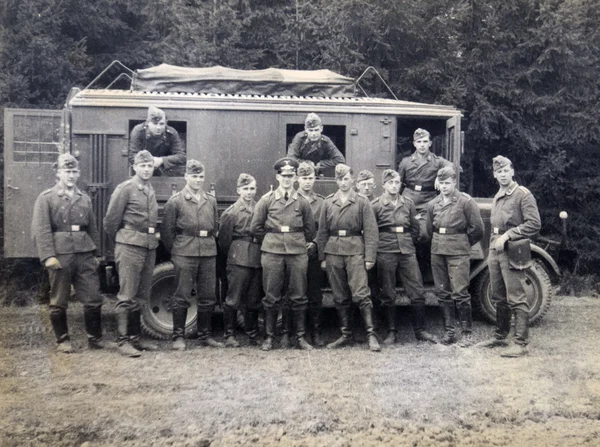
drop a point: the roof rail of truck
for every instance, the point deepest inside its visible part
(373, 69)
(127, 74)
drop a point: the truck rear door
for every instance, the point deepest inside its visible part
(32, 141)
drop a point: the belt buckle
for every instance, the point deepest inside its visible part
(442, 231)
(342, 233)
(203, 233)
(75, 228)
(398, 229)
(418, 187)
(285, 229)
(496, 230)
(151, 230)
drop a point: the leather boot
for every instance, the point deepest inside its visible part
(418, 322)
(58, 319)
(300, 325)
(503, 316)
(314, 316)
(230, 319)
(465, 316)
(519, 348)
(449, 315)
(204, 330)
(391, 318)
(270, 327)
(134, 328)
(92, 317)
(179, 320)
(287, 328)
(344, 322)
(124, 346)
(251, 326)
(367, 316)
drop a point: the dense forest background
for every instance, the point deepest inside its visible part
(525, 72)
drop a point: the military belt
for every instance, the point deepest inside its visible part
(392, 229)
(345, 233)
(70, 229)
(149, 230)
(416, 187)
(285, 229)
(245, 239)
(443, 230)
(200, 233)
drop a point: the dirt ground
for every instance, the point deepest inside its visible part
(411, 394)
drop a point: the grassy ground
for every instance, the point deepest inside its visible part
(409, 395)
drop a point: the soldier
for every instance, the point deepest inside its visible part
(347, 242)
(65, 235)
(365, 183)
(283, 220)
(454, 224)
(244, 273)
(311, 145)
(514, 220)
(396, 256)
(161, 140)
(189, 231)
(130, 222)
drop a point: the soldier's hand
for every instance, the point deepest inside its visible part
(436, 184)
(323, 265)
(500, 243)
(311, 247)
(158, 161)
(52, 264)
(369, 265)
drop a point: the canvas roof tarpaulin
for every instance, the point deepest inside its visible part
(222, 80)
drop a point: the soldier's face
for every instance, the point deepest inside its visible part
(144, 170)
(306, 182)
(286, 180)
(247, 192)
(314, 133)
(157, 127)
(422, 145)
(504, 175)
(345, 183)
(392, 186)
(67, 178)
(195, 181)
(367, 187)
(447, 186)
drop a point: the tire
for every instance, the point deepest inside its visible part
(157, 320)
(538, 288)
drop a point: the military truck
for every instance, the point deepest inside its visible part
(233, 121)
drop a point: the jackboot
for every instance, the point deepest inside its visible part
(391, 318)
(367, 316)
(270, 328)
(418, 322)
(58, 319)
(519, 348)
(503, 316)
(230, 319)
(449, 316)
(204, 330)
(134, 329)
(92, 317)
(465, 316)
(346, 339)
(251, 326)
(124, 346)
(314, 316)
(287, 328)
(300, 325)
(179, 320)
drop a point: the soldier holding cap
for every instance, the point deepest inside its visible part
(365, 183)
(311, 145)
(189, 231)
(396, 256)
(347, 242)
(161, 140)
(514, 219)
(65, 236)
(284, 221)
(454, 223)
(130, 222)
(244, 273)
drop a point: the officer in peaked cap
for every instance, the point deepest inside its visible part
(131, 221)
(161, 140)
(365, 183)
(312, 145)
(66, 237)
(189, 233)
(514, 220)
(284, 221)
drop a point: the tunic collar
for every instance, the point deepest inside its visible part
(386, 199)
(509, 191)
(241, 205)
(280, 194)
(189, 195)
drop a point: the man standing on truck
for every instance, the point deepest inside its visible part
(244, 273)
(347, 242)
(161, 140)
(312, 145)
(454, 224)
(130, 222)
(284, 221)
(514, 220)
(396, 256)
(189, 233)
(65, 235)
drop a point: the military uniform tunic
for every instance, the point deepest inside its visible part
(244, 273)
(454, 226)
(322, 152)
(65, 227)
(396, 254)
(314, 275)
(515, 213)
(168, 146)
(188, 232)
(130, 221)
(284, 227)
(418, 176)
(347, 238)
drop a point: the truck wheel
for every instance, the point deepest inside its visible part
(537, 286)
(157, 320)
